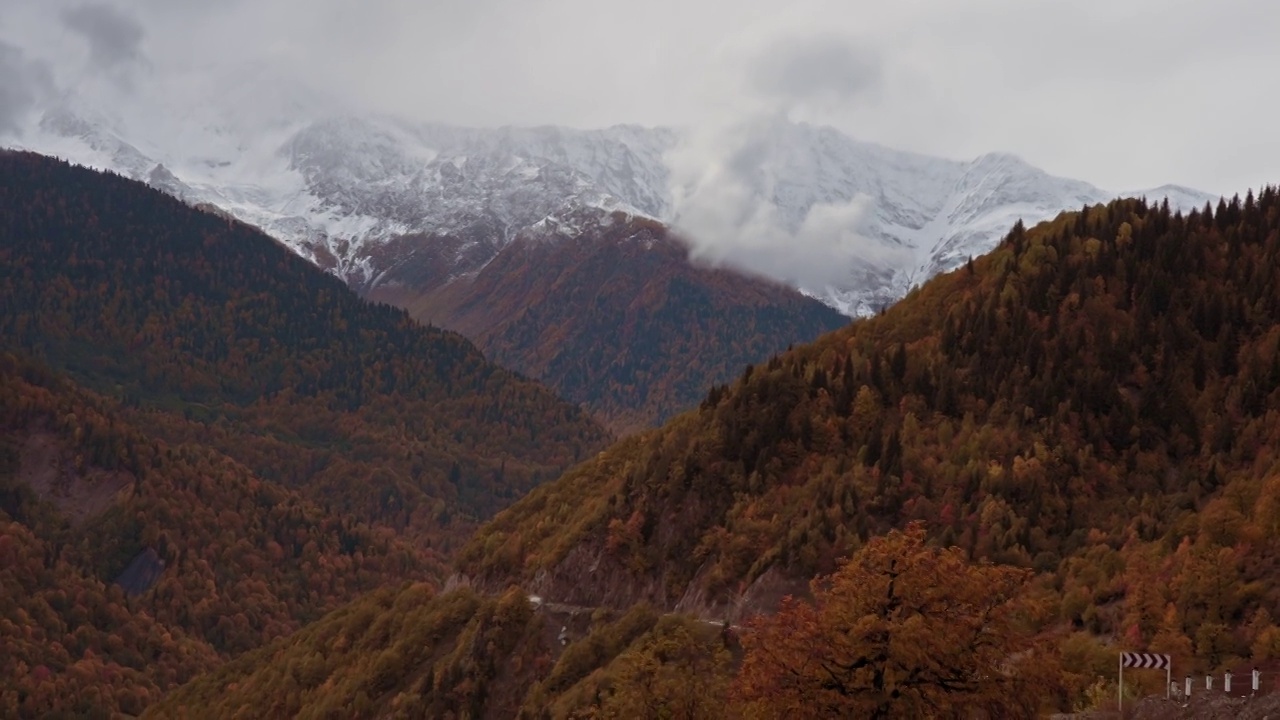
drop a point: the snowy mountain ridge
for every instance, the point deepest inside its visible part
(334, 187)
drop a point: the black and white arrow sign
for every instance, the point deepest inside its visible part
(1144, 660)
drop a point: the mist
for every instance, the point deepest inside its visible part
(727, 209)
(722, 175)
(23, 84)
(950, 79)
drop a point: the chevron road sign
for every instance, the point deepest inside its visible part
(1144, 661)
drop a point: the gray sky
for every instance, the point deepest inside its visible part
(1126, 94)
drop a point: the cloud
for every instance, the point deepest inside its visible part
(829, 69)
(932, 76)
(23, 83)
(114, 38)
(727, 207)
(727, 200)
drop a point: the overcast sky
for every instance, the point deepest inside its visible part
(1123, 93)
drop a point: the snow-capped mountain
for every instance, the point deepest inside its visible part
(921, 215)
(336, 187)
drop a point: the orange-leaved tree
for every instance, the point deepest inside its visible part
(902, 630)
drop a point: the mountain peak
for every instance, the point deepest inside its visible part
(333, 184)
(1002, 160)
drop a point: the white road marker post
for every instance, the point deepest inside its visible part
(1120, 686)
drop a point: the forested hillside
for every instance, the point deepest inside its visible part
(1094, 408)
(611, 313)
(884, 640)
(409, 653)
(236, 560)
(206, 320)
(205, 443)
(1095, 401)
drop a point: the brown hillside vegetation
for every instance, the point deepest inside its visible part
(196, 317)
(242, 560)
(193, 412)
(1094, 401)
(614, 317)
(903, 630)
(409, 653)
(1118, 470)
(885, 639)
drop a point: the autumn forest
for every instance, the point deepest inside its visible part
(229, 487)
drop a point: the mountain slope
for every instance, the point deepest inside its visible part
(611, 313)
(1095, 400)
(206, 442)
(140, 296)
(409, 652)
(128, 565)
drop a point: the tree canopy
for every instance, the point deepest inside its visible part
(903, 630)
